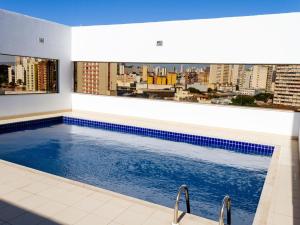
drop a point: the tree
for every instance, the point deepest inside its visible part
(243, 100)
(194, 90)
(209, 90)
(264, 97)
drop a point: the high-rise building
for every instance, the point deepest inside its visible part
(236, 73)
(145, 72)
(19, 74)
(31, 70)
(245, 79)
(203, 77)
(97, 78)
(11, 75)
(271, 78)
(42, 76)
(220, 74)
(164, 71)
(52, 76)
(181, 69)
(157, 70)
(16, 74)
(287, 85)
(259, 77)
(121, 69)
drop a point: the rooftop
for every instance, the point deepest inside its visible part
(119, 74)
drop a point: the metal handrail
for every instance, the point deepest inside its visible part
(226, 203)
(187, 200)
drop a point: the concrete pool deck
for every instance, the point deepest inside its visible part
(29, 197)
(32, 197)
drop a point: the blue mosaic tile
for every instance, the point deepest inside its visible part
(243, 147)
(31, 124)
(237, 146)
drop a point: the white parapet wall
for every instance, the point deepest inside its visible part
(264, 39)
(20, 36)
(230, 117)
(259, 39)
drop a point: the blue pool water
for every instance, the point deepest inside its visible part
(143, 167)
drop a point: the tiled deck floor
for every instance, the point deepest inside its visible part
(27, 195)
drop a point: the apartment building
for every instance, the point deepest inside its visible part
(96, 78)
(287, 85)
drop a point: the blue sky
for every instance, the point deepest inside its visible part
(91, 12)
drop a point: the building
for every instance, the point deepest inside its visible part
(236, 73)
(52, 76)
(220, 74)
(287, 85)
(145, 73)
(161, 80)
(157, 70)
(181, 69)
(96, 78)
(31, 74)
(271, 78)
(121, 69)
(171, 78)
(259, 77)
(203, 76)
(246, 91)
(164, 71)
(182, 95)
(11, 75)
(150, 80)
(245, 79)
(42, 76)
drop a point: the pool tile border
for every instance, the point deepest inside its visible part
(30, 124)
(236, 146)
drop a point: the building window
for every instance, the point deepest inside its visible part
(27, 75)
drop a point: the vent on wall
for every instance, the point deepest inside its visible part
(159, 43)
(41, 40)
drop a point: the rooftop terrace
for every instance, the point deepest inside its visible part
(29, 196)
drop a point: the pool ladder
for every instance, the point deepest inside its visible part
(225, 203)
(187, 200)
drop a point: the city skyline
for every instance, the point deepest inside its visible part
(21, 75)
(228, 84)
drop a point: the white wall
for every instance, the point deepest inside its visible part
(258, 39)
(241, 118)
(254, 39)
(20, 36)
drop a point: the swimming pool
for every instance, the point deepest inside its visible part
(143, 167)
